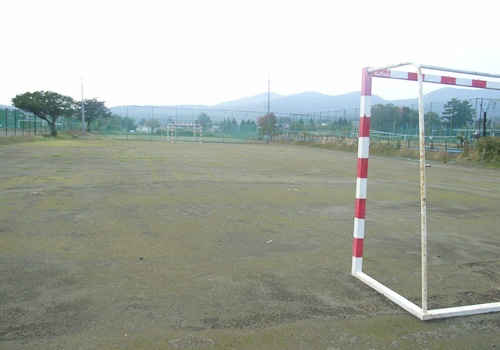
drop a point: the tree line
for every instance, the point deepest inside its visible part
(388, 117)
(50, 106)
(456, 114)
(225, 125)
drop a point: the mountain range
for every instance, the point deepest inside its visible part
(313, 102)
(301, 103)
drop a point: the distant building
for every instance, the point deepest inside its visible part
(143, 128)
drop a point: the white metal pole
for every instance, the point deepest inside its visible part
(423, 200)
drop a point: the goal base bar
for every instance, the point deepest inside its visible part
(417, 311)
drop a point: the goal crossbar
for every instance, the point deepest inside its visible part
(361, 184)
(172, 130)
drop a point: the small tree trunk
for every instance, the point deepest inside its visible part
(53, 131)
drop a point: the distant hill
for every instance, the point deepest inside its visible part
(301, 103)
(252, 103)
(447, 93)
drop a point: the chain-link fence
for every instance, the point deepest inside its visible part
(445, 122)
(449, 125)
(176, 125)
(14, 122)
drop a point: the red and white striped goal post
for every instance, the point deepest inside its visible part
(173, 126)
(362, 181)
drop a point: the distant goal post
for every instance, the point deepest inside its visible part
(362, 180)
(173, 127)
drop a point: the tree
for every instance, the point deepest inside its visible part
(390, 117)
(46, 105)
(457, 113)
(431, 119)
(226, 126)
(265, 121)
(128, 124)
(93, 110)
(204, 120)
(153, 124)
(115, 123)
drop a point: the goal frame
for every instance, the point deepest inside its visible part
(172, 130)
(362, 179)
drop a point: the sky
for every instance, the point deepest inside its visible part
(176, 52)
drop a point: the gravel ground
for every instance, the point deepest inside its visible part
(150, 245)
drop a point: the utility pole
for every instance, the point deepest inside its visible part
(83, 112)
(482, 114)
(484, 124)
(268, 109)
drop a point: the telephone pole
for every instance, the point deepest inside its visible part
(268, 109)
(83, 112)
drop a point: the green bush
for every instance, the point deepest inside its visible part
(486, 149)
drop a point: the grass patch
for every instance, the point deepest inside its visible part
(201, 221)
(130, 158)
(9, 140)
(339, 144)
(485, 151)
(78, 134)
(387, 149)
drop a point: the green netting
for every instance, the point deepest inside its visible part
(389, 123)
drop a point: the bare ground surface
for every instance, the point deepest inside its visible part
(149, 245)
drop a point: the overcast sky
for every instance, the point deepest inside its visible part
(209, 51)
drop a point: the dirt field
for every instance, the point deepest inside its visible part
(150, 245)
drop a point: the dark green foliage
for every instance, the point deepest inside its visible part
(94, 110)
(431, 119)
(487, 150)
(127, 123)
(457, 113)
(204, 120)
(391, 118)
(46, 105)
(118, 123)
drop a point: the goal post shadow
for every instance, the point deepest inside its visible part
(368, 74)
